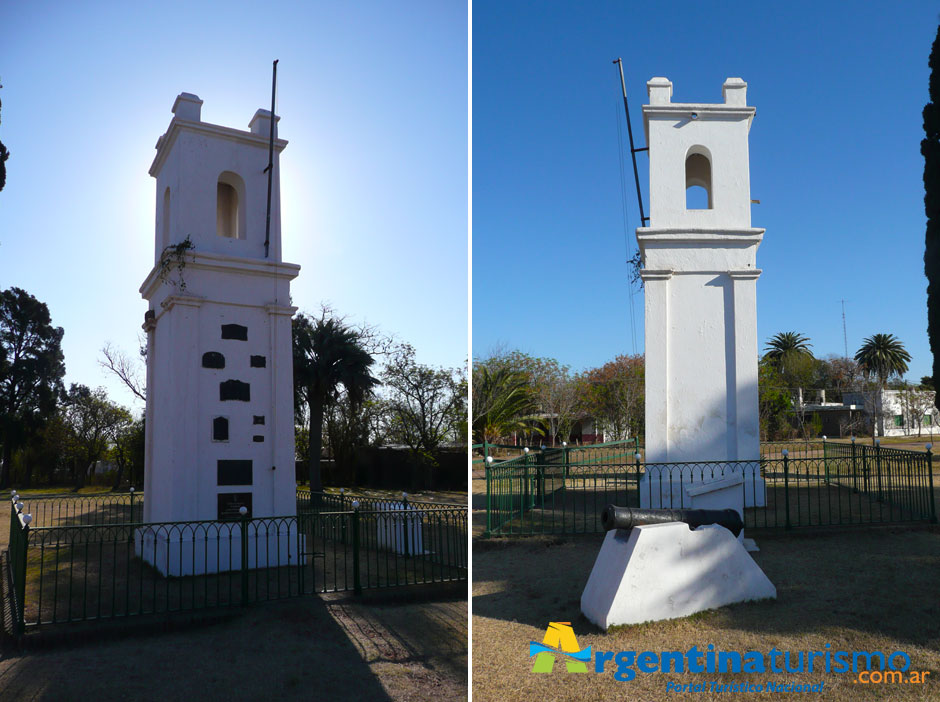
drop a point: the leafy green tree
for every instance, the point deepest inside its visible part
(93, 420)
(614, 395)
(127, 447)
(774, 402)
(930, 149)
(883, 356)
(503, 402)
(425, 405)
(31, 370)
(4, 155)
(785, 345)
(328, 355)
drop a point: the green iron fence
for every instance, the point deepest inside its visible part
(64, 573)
(838, 485)
(582, 453)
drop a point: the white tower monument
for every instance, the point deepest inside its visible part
(700, 280)
(220, 422)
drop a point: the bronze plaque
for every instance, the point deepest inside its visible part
(231, 502)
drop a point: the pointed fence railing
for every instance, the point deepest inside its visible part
(835, 484)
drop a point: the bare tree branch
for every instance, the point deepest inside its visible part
(124, 368)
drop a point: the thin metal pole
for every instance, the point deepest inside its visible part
(270, 169)
(636, 174)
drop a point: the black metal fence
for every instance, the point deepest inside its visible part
(834, 485)
(64, 571)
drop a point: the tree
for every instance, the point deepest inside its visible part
(93, 420)
(614, 396)
(328, 355)
(127, 371)
(4, 155)
(916, 403)
(127, 446)
(503, 401)
(882, 356)
(930, 149)
(774, 403)
(31, 370)
(425, 404)
(785, 345)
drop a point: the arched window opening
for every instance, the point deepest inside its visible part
(698, 180)
(230, 208)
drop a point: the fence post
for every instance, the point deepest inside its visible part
(930, 493)
(564, 459)
(19, 570)
(243, 511)
(878, 467)
(636, 460)
(786, 487)
(825, 460)
(357, 584)
(132, 502)
(526, 487)
(406, 523)
(854, 468)
(487, 465)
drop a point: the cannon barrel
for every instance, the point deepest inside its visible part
(614, 517)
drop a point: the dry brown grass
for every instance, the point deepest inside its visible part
(857, 590)
(397, 645)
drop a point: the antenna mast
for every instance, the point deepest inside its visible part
(270, 169)
(633, 150)
(845, 338)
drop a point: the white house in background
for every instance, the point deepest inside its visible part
(908, 412)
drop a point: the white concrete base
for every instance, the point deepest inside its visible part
(663, 485)
(749, 545)
(215, 550)
(666, 571)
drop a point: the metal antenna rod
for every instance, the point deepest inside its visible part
(636, 175)
(845, 337)
(270, 169)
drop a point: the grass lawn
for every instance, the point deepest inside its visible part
(872, 589)
(401, 644)
(300, 649)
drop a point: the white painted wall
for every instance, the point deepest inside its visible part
(700, 281)
(226, 281)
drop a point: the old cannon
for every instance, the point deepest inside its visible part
(614, 517)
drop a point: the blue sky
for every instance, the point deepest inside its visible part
(835, 161)
(372, 98)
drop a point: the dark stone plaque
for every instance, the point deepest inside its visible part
(213, 359)
(233, 472)
(259, 362)
(257, 438)
(220, 429)
(231, 502)
(235, 390)
(258, 419)
(235, 331)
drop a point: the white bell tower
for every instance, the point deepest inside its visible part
(700, 280)
(220, 423)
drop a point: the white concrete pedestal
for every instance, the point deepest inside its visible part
(663, 485)
(666, 571)
(176, 553)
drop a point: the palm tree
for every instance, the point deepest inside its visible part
(502, 402)
(882, 355)
(327, 354)
(785, 345)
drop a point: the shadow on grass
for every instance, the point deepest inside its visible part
(288, 650)
(882, 582)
